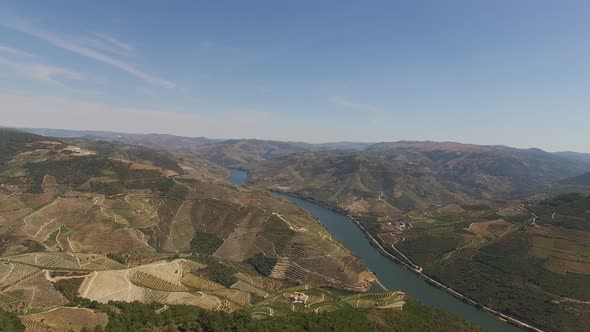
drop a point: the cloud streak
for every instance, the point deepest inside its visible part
(116, 44)
(40, 71)
(14, 51)
(84, 50)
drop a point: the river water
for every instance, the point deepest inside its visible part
(390, 274)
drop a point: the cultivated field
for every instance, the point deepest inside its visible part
(568, 250)
(64, 319)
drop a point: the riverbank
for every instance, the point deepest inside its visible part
(411, 266)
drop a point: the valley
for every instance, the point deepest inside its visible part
(482, 239)
(301, 166)
(85, 225)
(86, 222)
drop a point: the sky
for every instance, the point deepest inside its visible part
(505, 72)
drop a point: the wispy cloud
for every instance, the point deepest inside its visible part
(77, 47)
(116, 44)
(15, 51)
(106, 43)
(344, 103)
(41, 72)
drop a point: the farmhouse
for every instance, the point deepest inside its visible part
(298, 297)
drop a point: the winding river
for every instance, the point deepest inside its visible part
(390, 274)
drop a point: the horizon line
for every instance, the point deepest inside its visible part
(275, 140)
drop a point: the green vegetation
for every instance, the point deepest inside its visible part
(263, 264)
(71, 171)
(572, 210)
(137, 153)
(414, 317)
(205, 243)
(164, 185)
(475, 207)
(117, 258)
(217, 271)
(500, 276)
(13, 142)
(69, 288)
(524, 273)
(425, 248)
(177, 192)
(10, 322)
(277, 232)
(157, 158)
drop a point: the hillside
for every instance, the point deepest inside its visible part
(489, 170)
(127, 223)
(413, 175)
(156, 141)
(583, 180)
(453, 210)
(232, 153)
(246, 153)
(92, 221)
(331, 312)
(358, 182)
(575, 156)
(530, 259)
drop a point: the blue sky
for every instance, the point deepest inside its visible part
(485, 72)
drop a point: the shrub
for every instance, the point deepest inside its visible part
(263, 264)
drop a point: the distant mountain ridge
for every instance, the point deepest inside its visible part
(582, 179)
(577, 156)
(158, 141)
(414, 175)
(247, 153)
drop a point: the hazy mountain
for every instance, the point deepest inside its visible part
(582, 180)
(158, 141)
(246, 153)
(487, 169)
(413, 175)
(575, 156)
(344, 145)
(232, 153)
(358, 182)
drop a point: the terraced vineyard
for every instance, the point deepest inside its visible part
(196, 282)
(235, 295)
(14, 300)
(243, 286)
(152, 282)
(12, 273)
(65, 319)
(65, 261)
(155, 296)
(35, 326)
(379, 300)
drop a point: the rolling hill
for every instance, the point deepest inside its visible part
(246, 153)
(112, 222)
(460, 213)
(529, 259)
(156, 141)
(388, 177)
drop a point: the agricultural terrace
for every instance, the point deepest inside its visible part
(65, 319)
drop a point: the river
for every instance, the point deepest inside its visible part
(390, 274)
